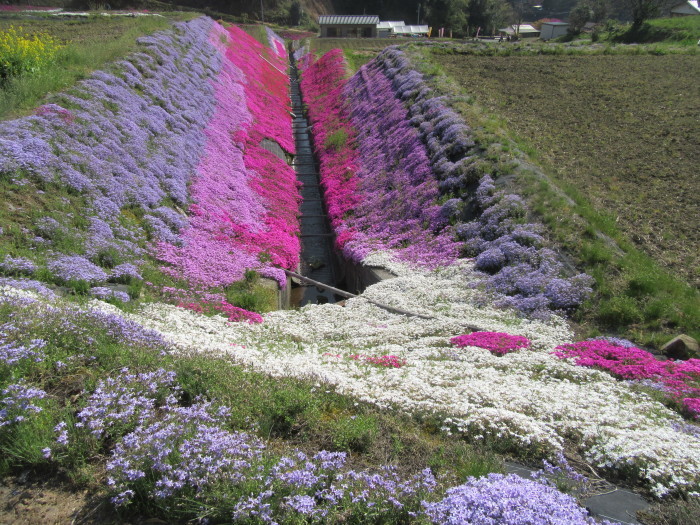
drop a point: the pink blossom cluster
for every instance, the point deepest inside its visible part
(499, 343)
(679, 379)
(387, 361)
(244, 199)
(232, 312)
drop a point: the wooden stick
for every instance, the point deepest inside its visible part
(343, 293)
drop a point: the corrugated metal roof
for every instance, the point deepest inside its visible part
(351, 20)
(413, 30)
(390, 24)
(524, 28)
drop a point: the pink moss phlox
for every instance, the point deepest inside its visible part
(679, 378)
(266, 88)
(387, 361)
(499, 343)
(233, 313)
(322, 84)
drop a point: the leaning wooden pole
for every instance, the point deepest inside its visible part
(343, 293)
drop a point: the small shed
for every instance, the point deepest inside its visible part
(412, 31)
(551, 30)
(687, 8)
(386, 29)
(525, 31)
(348, 26)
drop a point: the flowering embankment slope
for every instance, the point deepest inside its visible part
(101, 175)
(527, 401)
(245, 199)
(403, 173)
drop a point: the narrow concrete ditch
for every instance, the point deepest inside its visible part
(320, 261)
(318, 258)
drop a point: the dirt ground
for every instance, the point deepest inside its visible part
(26, 501)
(622, 129)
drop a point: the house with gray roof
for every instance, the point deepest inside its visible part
(348, 26)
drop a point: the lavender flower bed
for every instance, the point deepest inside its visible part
(128, 138)
(399, 210)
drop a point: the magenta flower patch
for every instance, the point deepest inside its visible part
(679, 379)
(498, 343)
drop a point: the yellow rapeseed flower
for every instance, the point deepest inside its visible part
(22, 52)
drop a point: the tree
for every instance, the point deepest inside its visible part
(450, 14)
(579, 15)
(643, 10)
(488, 14)
(295, 13)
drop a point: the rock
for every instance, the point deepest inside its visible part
(681, 347)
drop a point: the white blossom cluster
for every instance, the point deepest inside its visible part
(527, 399)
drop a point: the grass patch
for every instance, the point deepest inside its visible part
(251, 293)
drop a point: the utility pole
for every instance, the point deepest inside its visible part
(262, 12)
(418, 22)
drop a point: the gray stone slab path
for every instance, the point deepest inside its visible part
(618, 505)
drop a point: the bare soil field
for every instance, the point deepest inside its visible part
(625, 130)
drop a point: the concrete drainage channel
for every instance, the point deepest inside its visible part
(322, 269)
(318, 259)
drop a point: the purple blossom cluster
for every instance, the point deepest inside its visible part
(116, 327)
(522, 272)
(447, 138)
(19, 402)
(17, 266)
(187, 452)
(28, 284)
(128, 400)
(104, 293)
(13, 353)
(125, 273)
(399, 209)
(127, 139)
(78, 324)
(506, 500)
(76, 268)
(185, 449)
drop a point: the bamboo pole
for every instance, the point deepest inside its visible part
(343, 293)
